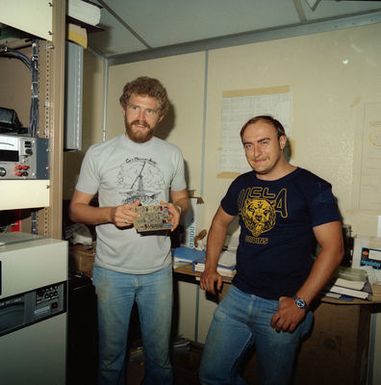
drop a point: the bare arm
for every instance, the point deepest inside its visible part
(82, 212)
(330, 239)
(180, 199)
(179, 204)
(210, 279)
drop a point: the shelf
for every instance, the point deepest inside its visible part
(22, 194)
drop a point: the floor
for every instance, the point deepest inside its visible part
(185, 365)
(82, 344)
(186, 361)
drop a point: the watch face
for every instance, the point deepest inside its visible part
(300, 303)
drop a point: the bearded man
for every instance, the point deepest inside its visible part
(132, 169)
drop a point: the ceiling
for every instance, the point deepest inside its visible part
(136, 30)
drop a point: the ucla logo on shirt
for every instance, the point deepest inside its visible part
(259, 209)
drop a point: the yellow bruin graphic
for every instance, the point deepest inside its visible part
(259, 208)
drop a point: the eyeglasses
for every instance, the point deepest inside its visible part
(148, 112)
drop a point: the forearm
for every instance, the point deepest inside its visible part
(215, 243)
(329, 237)
(183, 204)
(90, 215)
(288, 316)
(322, 271)
(210, 279)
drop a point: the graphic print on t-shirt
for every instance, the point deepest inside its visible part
(259, 208)
(140, 179)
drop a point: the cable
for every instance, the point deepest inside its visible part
(34, 106)
(14, 54)
(32, 65)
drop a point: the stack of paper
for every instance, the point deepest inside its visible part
(375, 283)
(351, 278)
(226, 264)
(350, 282)
(186, 255)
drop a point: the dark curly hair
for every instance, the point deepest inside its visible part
(148, 87)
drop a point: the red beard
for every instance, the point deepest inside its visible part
(138, 135)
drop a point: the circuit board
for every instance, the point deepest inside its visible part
(152, 218)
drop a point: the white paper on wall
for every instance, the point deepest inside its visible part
(237, 108)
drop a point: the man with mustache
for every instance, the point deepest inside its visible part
(135, 168)
(268, 304)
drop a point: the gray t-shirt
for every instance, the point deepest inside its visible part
(122, 171)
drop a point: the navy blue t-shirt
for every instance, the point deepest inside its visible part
(276, 244)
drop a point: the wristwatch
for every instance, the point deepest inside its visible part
(300, 303)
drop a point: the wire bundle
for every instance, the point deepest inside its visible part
(32, 65)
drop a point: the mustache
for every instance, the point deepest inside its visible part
(140, 123)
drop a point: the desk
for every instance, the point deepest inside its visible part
(336, 352)
(187, 270)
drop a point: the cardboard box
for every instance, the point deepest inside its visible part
(191, 221)
(336, 352)
(82, 259)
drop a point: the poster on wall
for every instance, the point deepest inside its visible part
(370, 181)
(237, 108)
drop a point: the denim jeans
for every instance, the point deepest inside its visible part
(240, 322)
(116, 293)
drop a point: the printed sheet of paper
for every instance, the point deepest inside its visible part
(370, 180)
(240, 106)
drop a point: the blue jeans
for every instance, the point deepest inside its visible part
(116, 293)
(241, 322)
